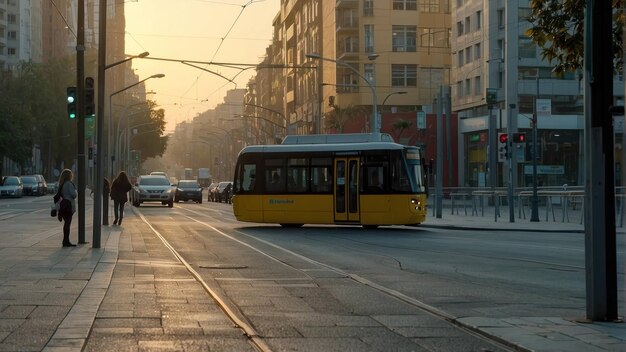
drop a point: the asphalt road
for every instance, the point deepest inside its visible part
(329, 282)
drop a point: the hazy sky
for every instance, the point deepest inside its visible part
(225, 31)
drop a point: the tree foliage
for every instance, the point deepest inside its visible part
(400, 126)
(558, 29)
(337, 118)
(147, 134)
(32, 110)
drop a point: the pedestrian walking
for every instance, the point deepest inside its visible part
(119, 193)
(67, 208)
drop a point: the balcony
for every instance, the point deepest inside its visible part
(347, 4)
(348, 25)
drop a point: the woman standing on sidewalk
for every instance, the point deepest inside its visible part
(119, 193)
(67, 208)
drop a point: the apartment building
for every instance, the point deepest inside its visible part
(20, 32)
(392, 46)
(491, 50)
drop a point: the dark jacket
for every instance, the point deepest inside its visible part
(120, 189)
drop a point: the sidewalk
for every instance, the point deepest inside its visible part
(132, 294)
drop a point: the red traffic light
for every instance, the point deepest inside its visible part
(503, 138)
(519, 137)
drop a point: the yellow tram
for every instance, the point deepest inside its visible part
(348, 179)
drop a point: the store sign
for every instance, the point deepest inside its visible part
(544, 107)
(421, 120)
(545, 169)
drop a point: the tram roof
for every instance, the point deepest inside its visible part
(330, 147)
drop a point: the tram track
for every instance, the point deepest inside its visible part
(241, 321)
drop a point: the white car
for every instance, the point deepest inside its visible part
(152, 188)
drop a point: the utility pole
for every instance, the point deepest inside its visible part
(97, 207)
(80, 123)
(600, 237)
(439, 171)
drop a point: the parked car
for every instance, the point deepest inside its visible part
(224, 192)
(11, 186)
(159, 173)
(34, 185)
(152, 188)
(188, 190)
(211, 192)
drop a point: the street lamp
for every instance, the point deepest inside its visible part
(375, 128)
(102, 67)
(158, 75)
(387, 97)
(140, 56)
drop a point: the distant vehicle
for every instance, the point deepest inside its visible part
(204, 176)
(158, 173)
(152, 188)
(188, 190)
(34, 185)
(223, 192)
(188, 173)
(11, 186)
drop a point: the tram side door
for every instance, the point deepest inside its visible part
(346, 189)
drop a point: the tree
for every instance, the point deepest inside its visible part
(337, 118)
(558, 28)
(401, 125)
(149, 138)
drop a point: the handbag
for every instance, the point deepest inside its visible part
(53, 210)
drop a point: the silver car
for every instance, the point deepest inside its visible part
(11, 186)
(152, 188)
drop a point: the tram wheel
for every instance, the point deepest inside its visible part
(370, 227)
(291, 225)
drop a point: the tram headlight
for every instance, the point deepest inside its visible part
(416, 203)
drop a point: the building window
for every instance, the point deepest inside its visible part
(12, 35)
(404, 75)
(369, 38)
(477, 53)
(501, 20)
(459, 89)
(403, 38)
(11, 18)
(434, 37)
(468, 24)
(405, 4)
(459, 29)
(428, 5)
(527, 48)
(368, 7)
(479, 19)
(523, 13)
(478, 86)
(11, 51)
(461, 62)
(468, 86)
(468, 54)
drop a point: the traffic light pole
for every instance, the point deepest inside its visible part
(97, 207)
(80, 123)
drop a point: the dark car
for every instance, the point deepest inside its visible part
(34, 185)
(224, 192)
(11, 186)
(188, 190)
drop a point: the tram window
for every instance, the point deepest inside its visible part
(374, 179)
(274, 175)
(297, 175)
(399, 177)
(321, 175)
(248, 181)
